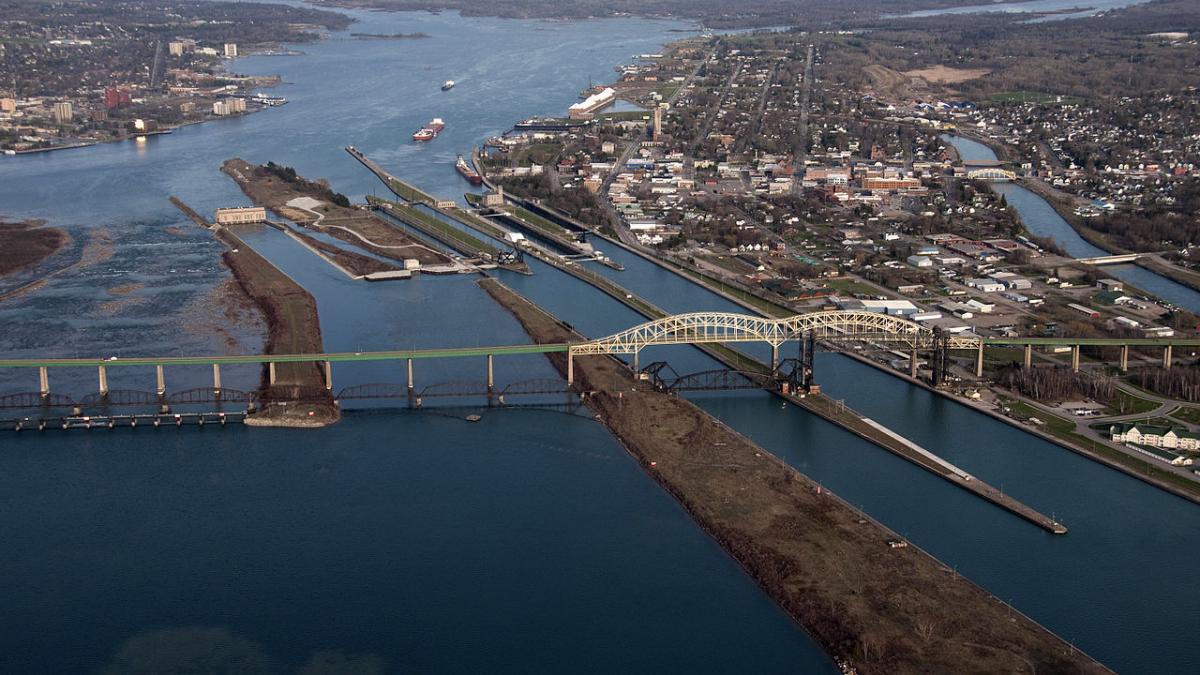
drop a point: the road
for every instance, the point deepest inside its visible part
(801, 152)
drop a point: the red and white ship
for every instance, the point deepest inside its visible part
(430, 132)
(467, 172)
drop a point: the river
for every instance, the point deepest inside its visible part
(1040, 218)
(526, 542)
(1064, 9)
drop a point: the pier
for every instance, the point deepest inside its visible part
(408, 193)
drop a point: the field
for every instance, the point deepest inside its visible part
(947, 75)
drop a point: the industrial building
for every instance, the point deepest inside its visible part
(241, 215)
(587, 107)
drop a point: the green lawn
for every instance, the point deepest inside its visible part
(1128, 404)
(405, 192)
(443, 230)
(540, 223)
(1064, 430)
(1188, 414)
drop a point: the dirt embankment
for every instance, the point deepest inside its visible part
(25, 244)
(298, 396)
(877, 608)
(312, 204)
(357, 263)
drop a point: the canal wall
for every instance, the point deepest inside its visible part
(829, 566)
(1079, 450)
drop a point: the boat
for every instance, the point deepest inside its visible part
(447, 85)
(467, 172)
(268, 100)
(430, 131)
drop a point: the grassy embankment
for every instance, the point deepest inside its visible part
(298, 396)
(435, 227)
(1064, 430)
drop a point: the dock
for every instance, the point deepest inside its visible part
(408, 193)
(518, 218)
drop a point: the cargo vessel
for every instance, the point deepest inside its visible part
(447, 85)
(429, 132)
(467, 172)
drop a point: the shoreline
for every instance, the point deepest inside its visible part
(705, 282)
(783, 538)
(1112, 464)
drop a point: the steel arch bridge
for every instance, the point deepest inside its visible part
(715, 327)
(991, 173)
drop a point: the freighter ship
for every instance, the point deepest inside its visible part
(467, 172)
(430, 132)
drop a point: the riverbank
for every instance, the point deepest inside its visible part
(1114, 459)
(839, 574)
(292, 394)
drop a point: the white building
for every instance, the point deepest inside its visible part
(248, 214)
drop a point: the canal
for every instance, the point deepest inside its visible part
(1040, 218)
(418, 541)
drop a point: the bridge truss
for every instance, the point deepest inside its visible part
(837, 326)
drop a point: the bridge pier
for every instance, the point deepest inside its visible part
(217, 380)
(940, 356)
(1124, 358)
(774, 357)
(808, 350)
(44, 381)
(635, 360)
(271, 373)
(491, 376)
(329, 376)
(570, 368)
(1028, 357)
(979, 361)
(160, 380)
(1075, 358)
(103, 381)
(912, 363)
(1167, 357)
